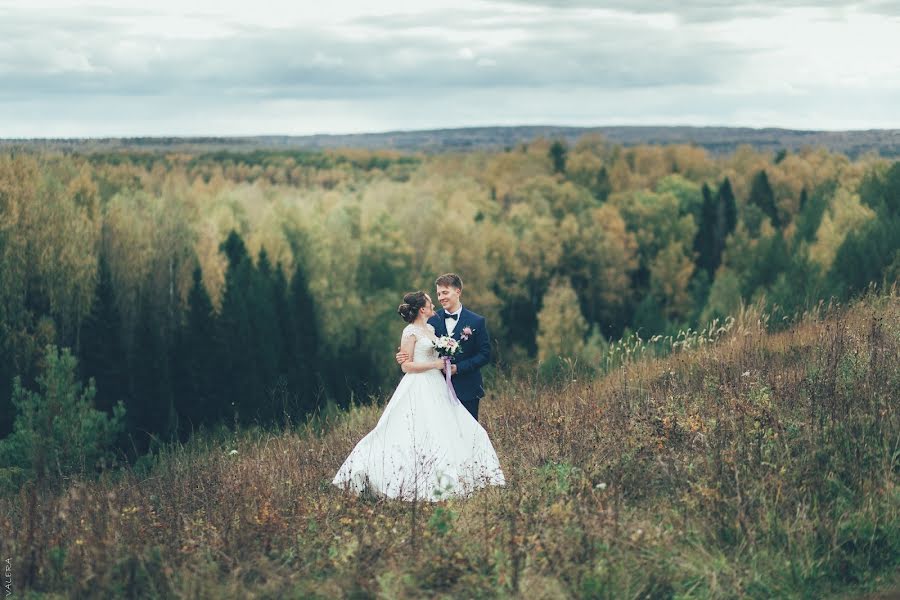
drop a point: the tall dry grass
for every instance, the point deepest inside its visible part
(758, 465)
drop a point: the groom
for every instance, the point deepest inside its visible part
(471, 331)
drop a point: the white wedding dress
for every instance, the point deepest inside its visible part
(426, 445)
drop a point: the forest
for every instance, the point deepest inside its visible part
(203, 289)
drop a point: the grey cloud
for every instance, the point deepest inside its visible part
(99, 57)
(889, 8)
(572, 66)
(700, 11)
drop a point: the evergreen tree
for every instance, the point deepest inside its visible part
(557, 154)
(102, 352)
(304, 341)
(718, 218)
(881, 191)
(795, 289)
(240, 384)
(197, 402)
(891, 191)
(812, 209)
(266, 336)
(865, 256)
(649, 317)
(602, 188)
(705, 242)
(521, 310)
(699, 291)
(761, 195)
(728, 206)
(58, 431)
(287, 396)
(869, 254)
(151, 403)
(768, 259)
(251, 340)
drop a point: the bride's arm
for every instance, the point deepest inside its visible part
(408, 344)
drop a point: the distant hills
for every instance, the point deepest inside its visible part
(717, 140)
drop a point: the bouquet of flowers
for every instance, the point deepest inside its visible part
(447, 347)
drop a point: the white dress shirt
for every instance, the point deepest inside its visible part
(451, 323)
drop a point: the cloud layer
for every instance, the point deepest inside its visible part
(212, 69)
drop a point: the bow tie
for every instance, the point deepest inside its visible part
(449, 316)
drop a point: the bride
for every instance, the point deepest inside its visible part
(426, 445)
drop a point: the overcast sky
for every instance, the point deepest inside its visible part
(217, 67)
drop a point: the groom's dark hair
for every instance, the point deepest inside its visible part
(449, 280)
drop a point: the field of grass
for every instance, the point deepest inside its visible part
(761, 465)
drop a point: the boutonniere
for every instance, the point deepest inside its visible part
(466, 333)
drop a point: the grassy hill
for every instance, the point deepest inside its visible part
(717, 140)
(738, 463)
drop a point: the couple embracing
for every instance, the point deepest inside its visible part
(428, 444)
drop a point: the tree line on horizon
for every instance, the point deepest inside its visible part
(232, 288)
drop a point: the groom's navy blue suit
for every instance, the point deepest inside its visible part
(476, 352)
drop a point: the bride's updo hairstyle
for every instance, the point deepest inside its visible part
(412, 302)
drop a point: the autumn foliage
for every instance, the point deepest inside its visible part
(235, 287)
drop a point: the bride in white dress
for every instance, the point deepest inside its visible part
(426, 445)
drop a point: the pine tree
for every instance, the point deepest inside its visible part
(304, 341)
(58, 431)
(287, 398)
(871, 253)
(239, 384)
(102, 353)
(602, 187)
(718, 218)
(812, 209)
(768, 259)
(761, 195)
(728, 206)
(705, 242)
(649, 317)
(557, 154)
(881, 191)
(197, 402)
(150, 406)
(266, 336)
(865, 256)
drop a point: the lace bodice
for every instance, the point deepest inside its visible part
(424, 350)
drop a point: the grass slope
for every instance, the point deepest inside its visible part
(761, 465)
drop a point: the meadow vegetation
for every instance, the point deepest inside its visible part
(693, 388)
(753, 465)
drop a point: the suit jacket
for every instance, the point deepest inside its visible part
(476, 352)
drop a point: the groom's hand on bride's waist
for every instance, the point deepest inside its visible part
(401, 356)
